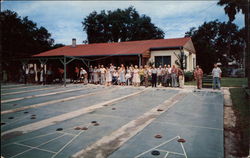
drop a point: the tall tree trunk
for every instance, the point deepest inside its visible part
(247, 56)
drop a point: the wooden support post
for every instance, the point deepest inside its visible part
(139, 57)
(65, 70)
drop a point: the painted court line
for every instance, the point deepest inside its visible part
(69, 142)
(167, 152)
(43, 135)
(32, 90)
(189, 125)
(12, 86)
(102, 147)
(20, 87)
(42, 95)
(51, 102)
(35, 147)
(17, 120)
(53, 120)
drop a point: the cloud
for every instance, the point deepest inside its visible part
(63, 18)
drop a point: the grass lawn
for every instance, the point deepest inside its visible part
(241, 106)
(226, 82)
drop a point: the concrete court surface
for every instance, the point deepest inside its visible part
(53, 121)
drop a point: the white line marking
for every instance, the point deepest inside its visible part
(20, 87)
(166, 155)
(188, 125)
(171, 152)
(69, 142)
(43, 135)
(155, 147)
(51, 102)
(12, 85)
(35, 147)
(32, 90)
(42, 95)
(20, 119)
(184, 150)
(123, 134)
(51, 121)
(167, 152)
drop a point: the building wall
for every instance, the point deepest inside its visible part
(171, 53)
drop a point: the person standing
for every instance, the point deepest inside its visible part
(91, 74)
(154, 76)
(159, 75)
(112, 69)
(122, 75)
(60, 73)
(174, 72)
(108, 77)
(164, 76)
(96, 75)
(136, 76)
(169, 76)
(181, 77)
(141, 74)
(76, 75)
(146, 75)
(103, 71)
(115, 77)
(198, 74)
(216, 76)
(128, 76)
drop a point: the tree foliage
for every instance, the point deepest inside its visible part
(217, 42)
(22, 37)
(232, 7)
(119, 25)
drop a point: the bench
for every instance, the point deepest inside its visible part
(207, 82)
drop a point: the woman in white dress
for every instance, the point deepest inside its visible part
(122, 75)
(108, 77)
(136, 76)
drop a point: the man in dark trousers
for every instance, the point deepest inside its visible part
(154, 76)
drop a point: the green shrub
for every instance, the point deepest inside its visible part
(240, 73)
(189, 76)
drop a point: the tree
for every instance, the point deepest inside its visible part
(119, 25)
(21, 37)
(58, 45)
(232, 7)
(215, 41)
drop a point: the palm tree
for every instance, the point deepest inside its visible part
(232, 7)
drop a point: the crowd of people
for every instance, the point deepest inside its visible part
(166, 76)
(131, 75)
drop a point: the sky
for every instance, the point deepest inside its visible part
(63, 18)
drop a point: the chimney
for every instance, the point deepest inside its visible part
(73, 42)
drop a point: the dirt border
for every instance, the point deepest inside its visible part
(231, 132)
(229, 125)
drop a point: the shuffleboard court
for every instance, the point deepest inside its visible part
(148, 122)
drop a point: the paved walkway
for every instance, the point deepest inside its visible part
(118, 122)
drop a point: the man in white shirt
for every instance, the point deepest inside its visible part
(169, 69)
(216, 76)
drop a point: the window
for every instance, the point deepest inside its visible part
(194, 63)
(162, 60)
(185, 62)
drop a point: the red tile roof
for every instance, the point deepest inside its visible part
(121, 48)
